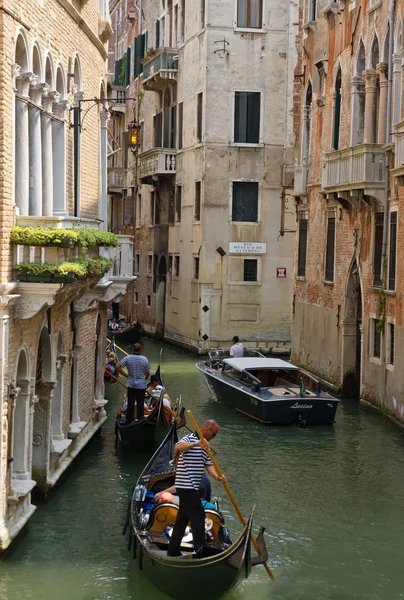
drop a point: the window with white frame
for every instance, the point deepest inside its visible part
(247, 112)
(250, 269)
(245, 201)
(249, 14)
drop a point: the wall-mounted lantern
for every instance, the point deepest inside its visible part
(134, 136)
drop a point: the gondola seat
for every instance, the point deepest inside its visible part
(161, 516)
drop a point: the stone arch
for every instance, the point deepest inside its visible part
(37, 68)
(397, 73)
(22, 55)
(44, 367)
(61, 82)
(374, 56)
(361, 59)
(58, 396)
(386, 45)
(78, 80)
(20, 428)
(352, 332)
(49, 72)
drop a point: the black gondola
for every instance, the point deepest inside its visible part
(223, 564)
(131, 334)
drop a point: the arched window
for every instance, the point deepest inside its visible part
(397, 75)
(307, 115)
(337, 110)
(21, 174)
(21, 419)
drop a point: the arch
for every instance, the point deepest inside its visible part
(49, 72)
(352, 342)
(78, 81)
(21, 417)
(162, 268)
(37, 61)
(386, 45)
(22, 55)
(57, 413)
(398, 37)
(61, 82)
(103, 93)
(44, 357)
(361, 59)
(337, 109)
(374, 57)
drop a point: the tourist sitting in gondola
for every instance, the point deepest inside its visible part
(110, 366)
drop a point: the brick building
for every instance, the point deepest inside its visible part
(53, 174)
(347, 308)
(213, 84)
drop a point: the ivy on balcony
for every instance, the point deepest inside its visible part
(65, 271)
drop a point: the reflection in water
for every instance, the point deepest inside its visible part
(331, 499)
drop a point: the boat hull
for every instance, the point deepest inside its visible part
(292, 410)
(131, 335)
(144, 435)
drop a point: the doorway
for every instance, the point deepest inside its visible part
(352, 336)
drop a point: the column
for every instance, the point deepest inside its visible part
(21, 143)
(397, 88)
(75, 381)
(59, 158)
(370, 78)
(381, 129)
(35, 151)
(358, 110)
(77, 152)
(47, 155)
(104, 115)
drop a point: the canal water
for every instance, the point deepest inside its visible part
(331, 499)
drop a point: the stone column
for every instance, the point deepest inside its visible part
(58, 396)
(75, 380)
(358, 110)
(397, 88)
(22, 143)
(370, 78)
(381, 123)
(47, 155)
(104, 116)
(77, 152)
(59, 158)
(35, 151)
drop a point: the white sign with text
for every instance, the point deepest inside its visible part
(247, 248)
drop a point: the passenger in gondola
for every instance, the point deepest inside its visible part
(110, 366)
(114, 325)
(191, 465)
(205, 503)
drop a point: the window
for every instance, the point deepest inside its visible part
(149, 263)
(196, 267)
(377, 257)
(139, 210)
(247, 117)
(158, 130)
(390, 343)
(157, 38)
(302, 248)
(175, 26)
(375, 338)
(155, 274)
(136, 297)
(137, 263)
(152, 208)
(199, 106)
(176, 266)
(249, 14)
(245, 201)
(250, 269)
(178, 200)
(197, 211)
(183, 20)
(337, 111)
(171, 206)
(148, 300)
(180, 124)
(170, 264)
(393, 251)
(330, 249)
(312, 10)
(203, 13)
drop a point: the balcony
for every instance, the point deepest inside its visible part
(398, 171)
(104, 21)
(117, 180)
(300, 181)
(157, 162)
(117, 99)
(42, 285)
(160, 69)
(355, 172)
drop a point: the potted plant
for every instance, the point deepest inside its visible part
(69, 271)
(34, 272)
(43, 236)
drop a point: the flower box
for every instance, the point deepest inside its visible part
(42, 278)
(69, 278)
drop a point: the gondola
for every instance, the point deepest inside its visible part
(223, 564)
(131, 334)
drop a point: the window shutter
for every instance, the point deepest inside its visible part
(393, 251)
(377, 259)
(142, 48)
(127, 69)
(157, 33)
(253, 117)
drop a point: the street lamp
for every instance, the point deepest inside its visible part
(134, 135)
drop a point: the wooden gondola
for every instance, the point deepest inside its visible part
(223, 563)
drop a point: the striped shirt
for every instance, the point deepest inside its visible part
(138, 366)
(191, 465)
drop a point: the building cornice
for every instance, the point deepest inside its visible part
(84, 26)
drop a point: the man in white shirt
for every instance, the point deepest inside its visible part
(237, 350)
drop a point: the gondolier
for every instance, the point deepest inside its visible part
(191, 465)
(139, 371)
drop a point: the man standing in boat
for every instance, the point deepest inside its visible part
(139, 371)
(190, 468)
(237, 349)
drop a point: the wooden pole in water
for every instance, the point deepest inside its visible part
(226, 487)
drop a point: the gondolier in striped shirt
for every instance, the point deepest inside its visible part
(139, 371)
(190, 468)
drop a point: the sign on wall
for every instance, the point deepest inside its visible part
(281, 272)
(247, 248)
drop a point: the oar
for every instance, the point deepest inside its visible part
(190, 430)
(116, 346)
(118, 380)
(226, 487)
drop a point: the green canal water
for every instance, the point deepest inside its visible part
(332, 501)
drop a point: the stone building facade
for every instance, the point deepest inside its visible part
(347, 313)
(53, 174)
(210, 177)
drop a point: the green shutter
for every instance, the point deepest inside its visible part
(142, 48)
(127, 70)
(125, 150)
(138, 67)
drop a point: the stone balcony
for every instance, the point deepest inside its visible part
(300, 181)
(160, 69)
(157, 162)
(117, 99)
(398, 171)
(355, 172)
(117, 179)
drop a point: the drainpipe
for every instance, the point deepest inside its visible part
(388, 140)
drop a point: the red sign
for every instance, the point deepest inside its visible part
(281, 272)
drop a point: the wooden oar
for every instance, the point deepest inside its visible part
(190, 430)
(118, 380)
(226, 487)
(119, 348)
